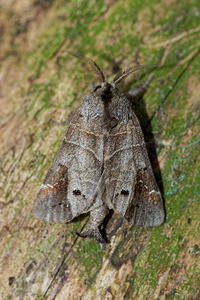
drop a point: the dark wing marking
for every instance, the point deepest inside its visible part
(146, 207)
(131, 188)
(72, 184)
(51, 203)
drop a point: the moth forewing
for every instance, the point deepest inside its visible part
(70, 187)
(131, 189)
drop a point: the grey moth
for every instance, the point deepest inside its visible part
(101, 165)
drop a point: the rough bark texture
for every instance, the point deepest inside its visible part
(40, 85)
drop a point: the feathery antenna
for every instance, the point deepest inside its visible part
(125, 73)
(94, 66)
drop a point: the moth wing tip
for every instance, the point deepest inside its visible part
(159, 220)
(37, 211)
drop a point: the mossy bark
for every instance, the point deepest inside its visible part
(40, 86)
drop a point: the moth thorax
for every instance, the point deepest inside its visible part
(106, 93)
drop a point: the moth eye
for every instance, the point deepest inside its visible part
(97, 87)
(125, 192)
(77, 192)
(116, 195)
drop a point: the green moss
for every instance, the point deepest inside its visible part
(89, 257)
(185, 15)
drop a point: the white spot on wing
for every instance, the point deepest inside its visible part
(49, 185)
(155, 192)
(43, 186)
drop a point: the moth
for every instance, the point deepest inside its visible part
(102, 164)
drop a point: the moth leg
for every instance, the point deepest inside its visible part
(97, 217)
(138, 92)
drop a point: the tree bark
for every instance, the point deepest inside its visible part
(41, 84)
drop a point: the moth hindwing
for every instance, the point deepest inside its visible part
(102, 164)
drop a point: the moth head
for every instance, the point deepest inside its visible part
(105, 91)
(105, 86)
